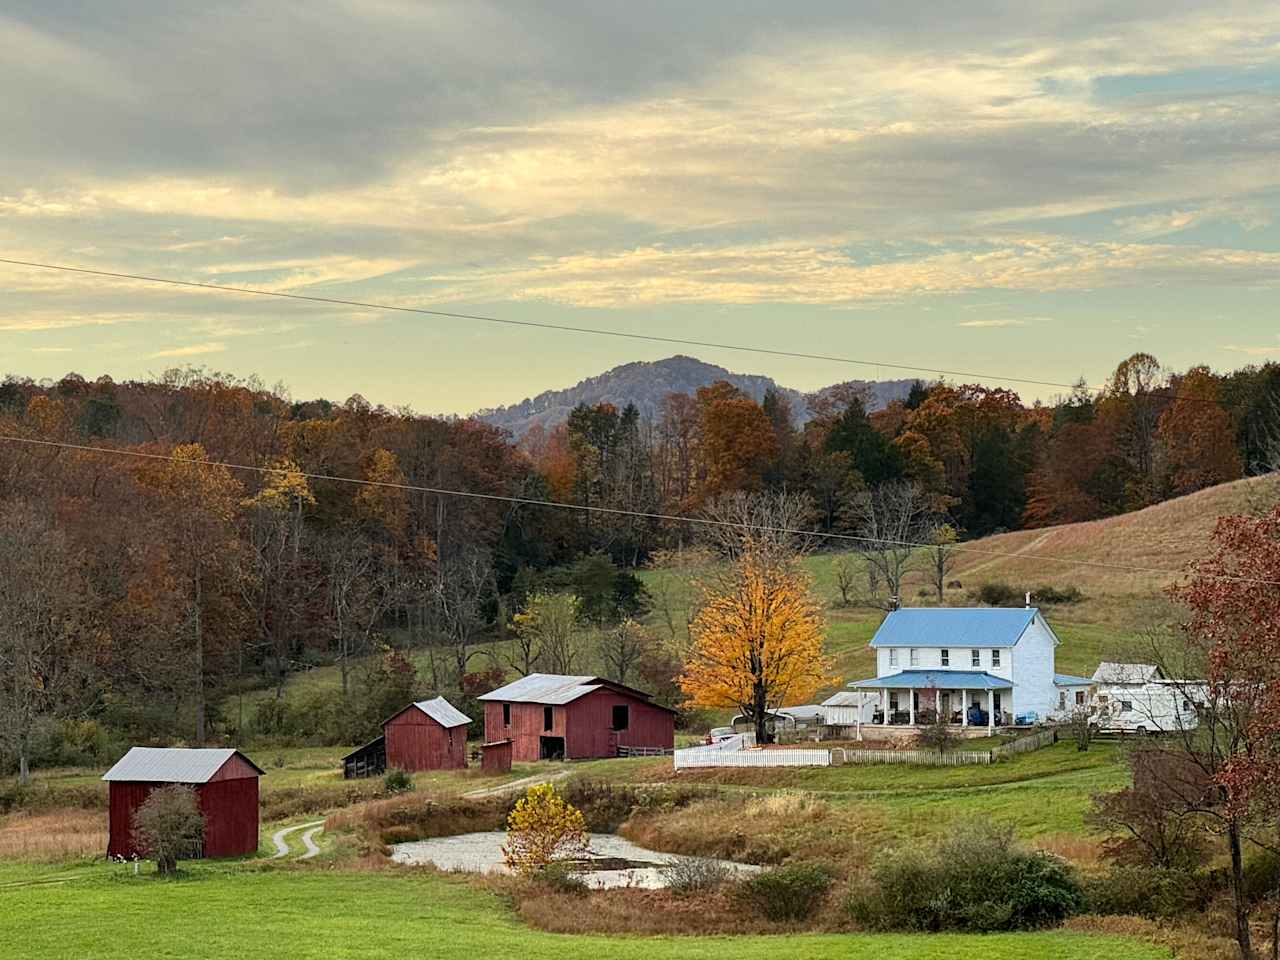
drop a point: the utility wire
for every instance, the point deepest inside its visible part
(618, 511)
(566, 328)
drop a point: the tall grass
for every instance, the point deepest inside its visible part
(53, 836)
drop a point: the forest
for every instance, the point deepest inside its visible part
(169, 543)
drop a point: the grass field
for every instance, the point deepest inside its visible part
(221, 912)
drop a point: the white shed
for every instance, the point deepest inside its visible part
(843, 709)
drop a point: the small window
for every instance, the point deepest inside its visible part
(914, 657)
(506, 714)
(1186, 706)
(1079, 698)
(1126, 706)
(893, 657)
(548, 717)
(621, 716)
(946, 658)
(1103, 698)
(1062, 700)
(995, 658)
(975, 658)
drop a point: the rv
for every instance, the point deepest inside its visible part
(1138, 698)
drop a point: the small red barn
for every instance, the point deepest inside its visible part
(428, 735)
(550, 717)
(226, 786)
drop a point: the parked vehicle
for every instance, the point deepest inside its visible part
(718, 734)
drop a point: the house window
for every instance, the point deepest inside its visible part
(1079, 698)
(548, 717)
(975, 658)
(893, 657)
(621, 716)
(1062, 700)
(914, 657)
(893, 703)
(995, 658)
(1126, 706)
(946, 658)
(1186, 706)
(506, 714)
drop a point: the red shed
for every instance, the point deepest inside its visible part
(549, 716)
(429, 735)
(225, 782)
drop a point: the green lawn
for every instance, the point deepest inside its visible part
(221, 912)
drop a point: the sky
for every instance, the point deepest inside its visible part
(1018, 190)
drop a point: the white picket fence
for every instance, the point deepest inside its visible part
(740, 751)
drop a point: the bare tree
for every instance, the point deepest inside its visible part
(359, 593)
(891, 520)
(459, 603)
(942, 557)
(772, 527)
(846, 570)
(41, 594)
(548, 633)
(623, 646)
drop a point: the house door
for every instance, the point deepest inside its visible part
(946, 706)
(999, 710)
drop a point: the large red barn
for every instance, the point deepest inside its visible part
(550, 716)
(428, 735)
(226, 786)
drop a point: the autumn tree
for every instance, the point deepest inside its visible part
(1195, 432)
(757, 640)
(42, 606)
(738, 440)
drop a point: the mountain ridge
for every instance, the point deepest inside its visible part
(647, 383)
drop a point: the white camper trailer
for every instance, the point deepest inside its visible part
(1138, 698)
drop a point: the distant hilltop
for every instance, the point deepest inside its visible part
(647, 384)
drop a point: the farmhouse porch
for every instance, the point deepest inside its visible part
(962, 698)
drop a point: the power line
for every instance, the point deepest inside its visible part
(506, 321)
(618, 511)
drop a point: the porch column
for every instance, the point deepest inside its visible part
(911, 707)
(991, 711)
(884, 707)
(964, 708)
(937, 705)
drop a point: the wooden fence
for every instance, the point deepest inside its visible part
(922, 758)
(1026, 744)
(645, 751)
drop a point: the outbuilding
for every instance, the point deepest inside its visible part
(226, 786)
(427, 735)
(558, 717)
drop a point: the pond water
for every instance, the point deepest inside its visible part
(611, 860)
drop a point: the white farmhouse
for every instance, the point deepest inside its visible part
(978, 667)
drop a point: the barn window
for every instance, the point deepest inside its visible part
(946, 658)
(995, 658)
(975, 658)
(506, 714)
(621, 716)
(548, 717)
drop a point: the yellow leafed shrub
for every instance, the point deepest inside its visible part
(541, 828)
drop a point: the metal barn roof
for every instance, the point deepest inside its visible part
(1110, 672)
(173, 765)
(552, 688)
(845, 699)
(954, 627)
(1067, 680)
(443, 712)
(935, 679)
(807, 711)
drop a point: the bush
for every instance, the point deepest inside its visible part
(688, 876)
(1146, 891)
(397, 781)
(973, 880)
(541, 828)
(786, 894)
(1053, 595)
(1262, 875)
(169, 827)
(998, 594)
(560, 877)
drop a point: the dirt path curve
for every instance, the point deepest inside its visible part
(309, 842)
(515, 785)
(282, 844)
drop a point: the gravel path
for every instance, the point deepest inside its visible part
(514, 786)
(282, 844)
(309, 842)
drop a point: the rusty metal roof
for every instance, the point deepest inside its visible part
(443, 712)
(172, 765)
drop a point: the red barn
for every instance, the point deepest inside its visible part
(552, 717)
(226, 786)
(429, 735)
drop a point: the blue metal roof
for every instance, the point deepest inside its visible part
(1067, 680)
(935, 679)
(954, 627)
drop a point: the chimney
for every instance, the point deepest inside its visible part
(895, 603)
(1028, 599)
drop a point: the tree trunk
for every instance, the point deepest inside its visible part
(1238, 894)
(759, 707)
(200, 719)
(24, 772)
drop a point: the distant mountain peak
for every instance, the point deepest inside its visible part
(647, 383)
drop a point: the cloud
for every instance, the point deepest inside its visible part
(191, 350)
(1262, 350)
(994, 323)
(51, 349)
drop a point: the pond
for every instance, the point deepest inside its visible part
(611, 861)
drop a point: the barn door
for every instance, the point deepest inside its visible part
(613, 743)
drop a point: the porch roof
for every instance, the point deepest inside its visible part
(934, 679)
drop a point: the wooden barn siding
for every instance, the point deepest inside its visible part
(590, 723)
(230, 809)
(526, 731)
(496, 757)
(416, 742)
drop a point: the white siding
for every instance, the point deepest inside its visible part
(1031, 667)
